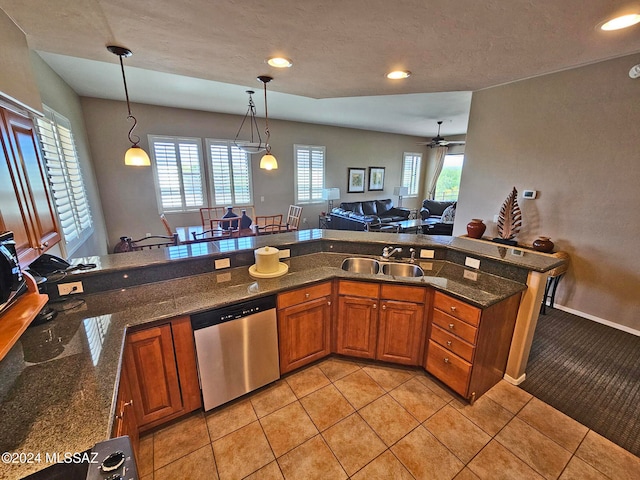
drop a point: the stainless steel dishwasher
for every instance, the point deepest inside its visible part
(236, 349)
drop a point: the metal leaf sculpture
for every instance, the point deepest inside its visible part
(510, 218)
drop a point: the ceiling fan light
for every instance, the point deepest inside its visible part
(136, 157)
(279, 62)
(268, 162)
(621, 22)
(399, 74)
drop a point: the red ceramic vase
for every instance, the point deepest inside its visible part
(543, 244)
(476, 228)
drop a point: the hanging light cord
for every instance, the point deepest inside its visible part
(264, 81)
(126, 94)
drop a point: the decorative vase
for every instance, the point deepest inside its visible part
(230, 225)
(543, 244)
(245, 220)
(476, 228)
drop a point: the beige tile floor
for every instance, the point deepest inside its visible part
(342, 419)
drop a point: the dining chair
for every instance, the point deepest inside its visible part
(293, 217)
(167, 227)
(268, 224)
(152, 241)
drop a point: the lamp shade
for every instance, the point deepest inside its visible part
(136, 157)
(401, 191)
(268, 162)
(331, 193)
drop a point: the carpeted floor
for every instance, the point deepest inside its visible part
(590, 372)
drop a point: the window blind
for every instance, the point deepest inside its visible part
(65, 178)
(309, 173)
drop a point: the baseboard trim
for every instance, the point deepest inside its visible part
(515, 381)
(593, 318)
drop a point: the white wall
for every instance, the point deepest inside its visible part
(575, 137)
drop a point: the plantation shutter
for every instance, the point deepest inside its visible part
(411, 172)
(65, 178)
(230, 173)
(309, 173)
(178, 167)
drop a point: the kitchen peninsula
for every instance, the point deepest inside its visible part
(60, 381)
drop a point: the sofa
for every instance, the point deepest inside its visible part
(438, 217)
(363, 215)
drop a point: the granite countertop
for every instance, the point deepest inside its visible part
(58, 383)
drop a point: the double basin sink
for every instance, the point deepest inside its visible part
(373, 266)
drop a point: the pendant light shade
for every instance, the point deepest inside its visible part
(268, 161)
(135, 156)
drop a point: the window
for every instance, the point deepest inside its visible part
(177, 164)
(411, 172)
(65, 178)
(448, 185)
(309, 166)
(230, 173)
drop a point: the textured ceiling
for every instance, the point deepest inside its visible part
(340, 48)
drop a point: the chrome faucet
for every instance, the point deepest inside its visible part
(388, 252)
(412, 251)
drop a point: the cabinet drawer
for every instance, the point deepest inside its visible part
(312, 292)
(453, 343)
(403, 293)
(455, 326)
(449, 368)
(358, 289)
(457, 308)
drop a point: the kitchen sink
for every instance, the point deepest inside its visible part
(402, 270)
(361, 265)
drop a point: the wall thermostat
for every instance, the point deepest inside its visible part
(529, 194)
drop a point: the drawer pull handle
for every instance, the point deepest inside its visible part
(374, 306)
(446, 359)
(453, 309)
(448, 343)
(306, 295)
(451, 326)
(384, 307)
(329, 303)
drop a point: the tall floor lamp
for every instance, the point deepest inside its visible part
(401, 192)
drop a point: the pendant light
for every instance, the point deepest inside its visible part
(268, 161)
(135, 156)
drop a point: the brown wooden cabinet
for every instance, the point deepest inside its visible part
(125, 421)
(357, 322)
(26, 207)
(468, 347)
(161, 370)
(384, 322)
(304, 325)
(402, 324)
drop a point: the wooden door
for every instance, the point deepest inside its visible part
(400, 332)
(153, 374)
(304, 333)
(357, 326)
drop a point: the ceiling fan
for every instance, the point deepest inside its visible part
(439, 141)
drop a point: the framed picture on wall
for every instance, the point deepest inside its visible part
(356, 180)
(376, 179)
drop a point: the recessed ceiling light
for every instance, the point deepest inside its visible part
(398, 74)
(623, 21)
(279, 62)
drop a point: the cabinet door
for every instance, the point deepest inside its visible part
(400, 332)
(125, 421)
(31, 189)
(357, 326)
(304, 333)
(153, 374)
